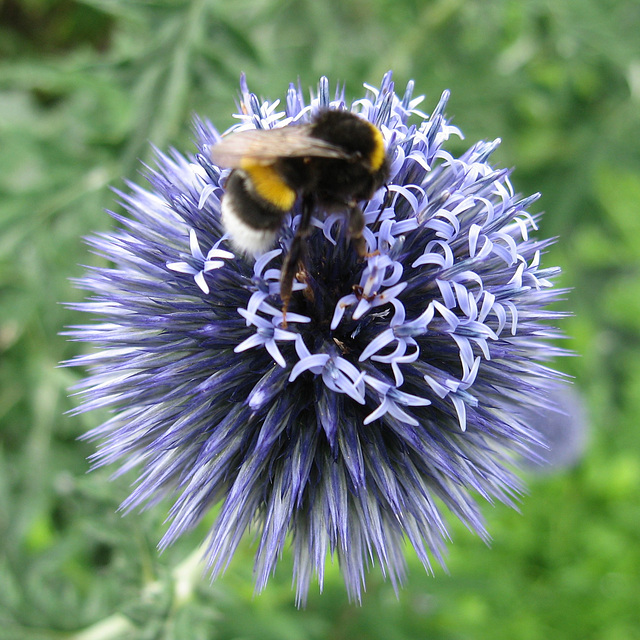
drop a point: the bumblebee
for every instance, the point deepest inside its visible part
(329, 164)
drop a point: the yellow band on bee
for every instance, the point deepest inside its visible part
(269, 185)
(377, 155)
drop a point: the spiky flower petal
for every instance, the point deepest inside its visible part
(393, 389)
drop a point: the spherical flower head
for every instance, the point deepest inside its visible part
(389, 395)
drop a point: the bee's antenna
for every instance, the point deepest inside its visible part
(386, 202)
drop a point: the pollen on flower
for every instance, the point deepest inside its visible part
(396, 387)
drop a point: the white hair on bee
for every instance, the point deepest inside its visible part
(245, 238)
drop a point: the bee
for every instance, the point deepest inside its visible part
(328, 164)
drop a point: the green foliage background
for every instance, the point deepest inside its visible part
(86, 85)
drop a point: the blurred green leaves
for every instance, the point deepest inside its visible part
(86, 86)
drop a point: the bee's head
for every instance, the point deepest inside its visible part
(361, 140)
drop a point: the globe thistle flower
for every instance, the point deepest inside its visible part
(565, 430)
(391, 393)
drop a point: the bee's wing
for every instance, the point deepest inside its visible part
(265, 146)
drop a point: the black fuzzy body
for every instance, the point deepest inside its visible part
(337, 181)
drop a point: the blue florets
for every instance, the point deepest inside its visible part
(392, 385)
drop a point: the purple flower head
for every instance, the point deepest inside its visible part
(391, 393)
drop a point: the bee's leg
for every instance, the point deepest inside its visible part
(294, 256)
(357, 223)
(356, 226)
(386, 203)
